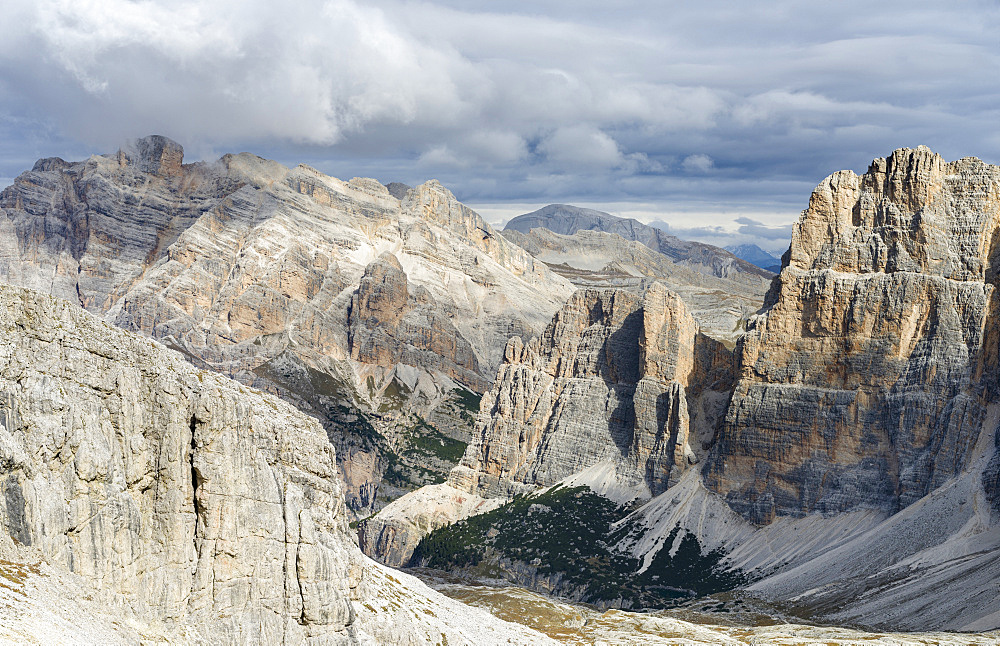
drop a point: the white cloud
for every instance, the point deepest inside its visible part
(697, 163)
(688, 105)
(581, 147)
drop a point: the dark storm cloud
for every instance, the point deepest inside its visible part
(694, 110)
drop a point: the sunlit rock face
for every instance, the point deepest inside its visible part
(285, 278)
(387, 325)
(616, 378)
(210, 512)
(865, 383)
(130, 467)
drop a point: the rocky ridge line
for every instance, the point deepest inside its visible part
(565, 219)
(621, 380)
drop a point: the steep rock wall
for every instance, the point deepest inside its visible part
(208, 508)
(616, 377)
(250, 268)
(864, 384)
(187, 492)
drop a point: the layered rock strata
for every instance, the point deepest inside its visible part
(617, 378)
(254, 270)
(622, 386)
(211, 510)
(865, 383)
(852, 464)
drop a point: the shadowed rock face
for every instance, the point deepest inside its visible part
(864, 384)
(991, 477)
(852, 461)
(284, 279)
(617, 378)
(156, 155)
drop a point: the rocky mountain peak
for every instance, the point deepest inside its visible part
(278, 276)
(617, 377)
(856, 426)
(154, 154)
(862, 386)
(911, 211)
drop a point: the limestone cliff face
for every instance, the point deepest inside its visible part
(128, 466)
(857, 426)
(387, 325)
(616, 378)
(253, 269)
(864, 385)
(208, 508)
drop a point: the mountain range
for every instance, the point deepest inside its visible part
(841, 460)
(567, 220)
(755, 255)
(382, 317)
(580, 404)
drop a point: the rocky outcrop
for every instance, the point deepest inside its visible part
(865, 383)
(387, 326)
(616, 377)
(209, 509)
(566, 220)
(252, 269)
(394, 532)
(398, 189)
(862, 435)
(595, 259)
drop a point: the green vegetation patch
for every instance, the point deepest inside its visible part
(566, 533)
(425, 438)
(404, 472)
(428, 457)
(394, 396)
(468, 400)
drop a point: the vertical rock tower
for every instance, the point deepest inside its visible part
(866, 381)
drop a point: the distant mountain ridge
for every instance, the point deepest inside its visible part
(567, 220)
(755, 255)
(595, 259)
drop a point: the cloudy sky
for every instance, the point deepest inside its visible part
(715, 117)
